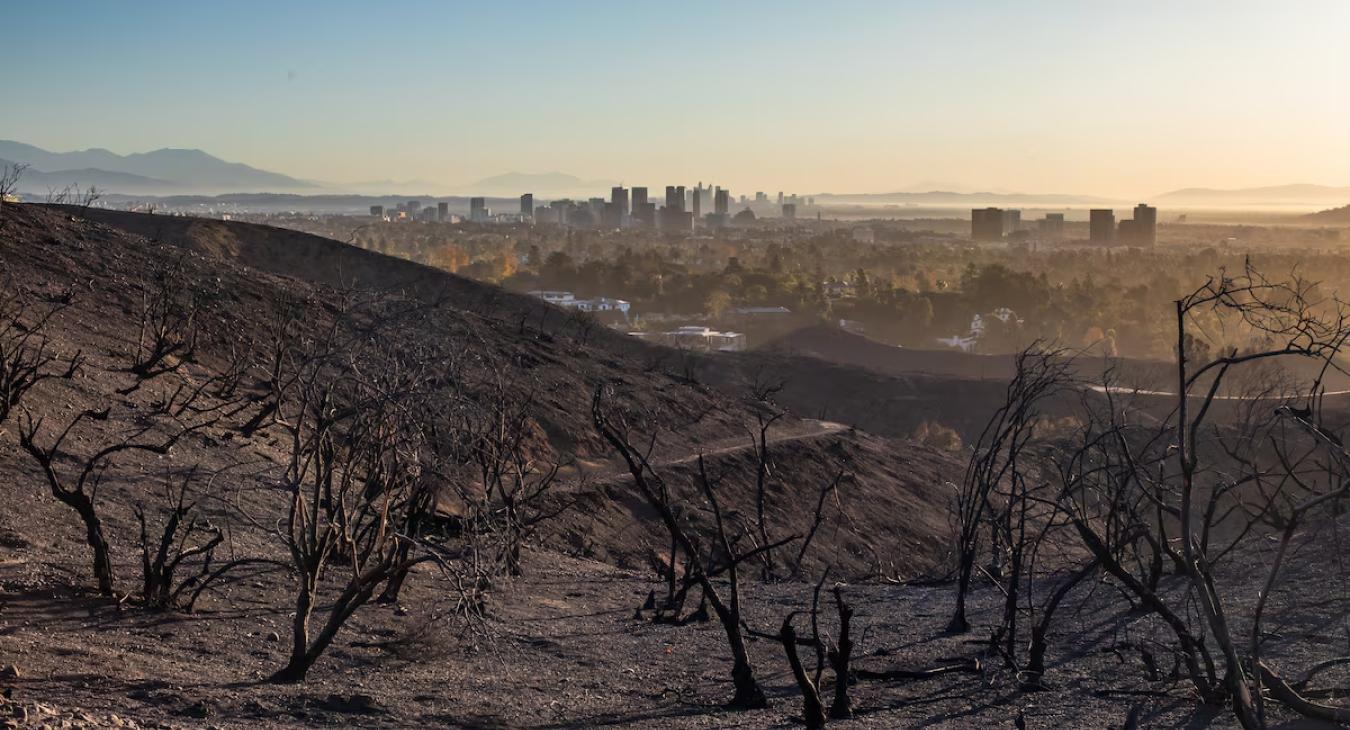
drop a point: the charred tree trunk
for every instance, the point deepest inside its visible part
(839, 656)
(813, 713)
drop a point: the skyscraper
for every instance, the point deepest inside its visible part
(672, 201)
(478, 211)
(639, 198)
(1146, 224)
(1102, 225)
(697, 206)
(377, 211)
(987, 224)
(442, 212)
(1052, 226)
(721, 201)
(790, 211)
(527, 205)
(619, 197)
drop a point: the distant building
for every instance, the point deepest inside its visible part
(527, 204)
(761, 198)
(478, 210)
(619, 197)
(697, 202)
(442, 212)
(1146, 224)
(789, 211)
(377, 211)
(1012, 221)
(674, 197)
(1052, 226)
(644, 213)
(694, 337)
(611, 216)
(721, 202)
(567, 300)
(413, 206)
(639, 197)
(1101, 225)
(986, 224)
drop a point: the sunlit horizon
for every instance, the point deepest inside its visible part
(1126, 101)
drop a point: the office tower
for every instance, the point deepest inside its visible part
(1101, 225)
(527, 204)
(721, 201)
(671, 200)
(986, 224)
(1127, 232)
(478, 210)
(681, 198)
(639, 198)
(644, 213)
(790, 211)
(780, 197)
(619, 197)
(413, 207)
(442, 212)
(1052, 226)
(697, 206)
(1146, 224)
(611, 215)
(1012, 221)
(377, 211)
(760, 197)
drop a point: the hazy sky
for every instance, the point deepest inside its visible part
(1089, 96)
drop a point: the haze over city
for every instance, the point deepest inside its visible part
(1120, 99)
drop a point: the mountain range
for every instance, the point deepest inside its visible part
(158, 172)
(1280, 195)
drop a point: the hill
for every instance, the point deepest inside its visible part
(558, 357)
(161, 171)
(1297, 194)
(1331, 217)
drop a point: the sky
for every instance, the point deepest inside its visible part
(1097, 97)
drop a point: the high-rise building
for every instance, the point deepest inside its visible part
(721, 201)
(1101, 225)
(644, 213)
(527, 204)
(697, 206)
(1052, 226)
(413, 207)
(780, 197)
(790, 211)
(377, 211)
(1146, 224)
(681, 198)
(619, 197)
(761, 197)
(672, 201)
(442, 212)
(1012, 221)
(478, 210)
(611, 216)
(639, 198)
(987, 224)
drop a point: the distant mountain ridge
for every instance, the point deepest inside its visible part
(1333, 216)
(541, 184)
(162, 171)
(1294, 194)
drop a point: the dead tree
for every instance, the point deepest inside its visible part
(77, 488)
(26, 355)
(352, 478)
(704, 564)
(184, 537)
(170, 313)
(10, 175)
(998, 461)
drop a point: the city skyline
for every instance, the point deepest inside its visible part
(849, 97)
